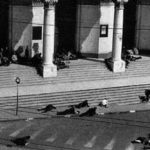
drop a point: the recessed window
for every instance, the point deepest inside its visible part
(37, 33)
(104, 30)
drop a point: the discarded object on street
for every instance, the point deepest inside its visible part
(80, 105)
(90, 112)
(22, 141)
(47, 108)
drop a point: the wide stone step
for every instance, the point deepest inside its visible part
(104, 91)
(119, 96)
(33, 80)
(76, 73)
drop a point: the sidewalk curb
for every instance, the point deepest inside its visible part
(55, 116)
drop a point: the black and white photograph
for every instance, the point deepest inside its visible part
(74, 74)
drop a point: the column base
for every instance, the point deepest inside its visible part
(118, 66)
(49, 71)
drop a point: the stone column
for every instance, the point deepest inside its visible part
(49, 69)
(118, 65)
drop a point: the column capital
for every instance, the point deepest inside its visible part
(120, 3)
(49, 2)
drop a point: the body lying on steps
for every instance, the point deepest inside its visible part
(77, 109)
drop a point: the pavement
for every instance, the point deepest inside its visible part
(30, 113)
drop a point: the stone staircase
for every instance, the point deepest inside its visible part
(118, 95)
(79, 71)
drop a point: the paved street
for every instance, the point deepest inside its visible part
(104, 132)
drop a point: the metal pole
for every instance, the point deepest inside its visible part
(17, 101)
(17, 105)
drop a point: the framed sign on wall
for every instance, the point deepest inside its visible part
(104, 30)
(37, 32)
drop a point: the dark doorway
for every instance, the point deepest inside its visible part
(129, 24)
(66, 25)
(4, 22)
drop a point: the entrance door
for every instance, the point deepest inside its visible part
(129, 24)
(4, 15)
(65, 25)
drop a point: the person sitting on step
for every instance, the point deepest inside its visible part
(103, 103)
(143, 99)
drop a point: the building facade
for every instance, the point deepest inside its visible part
(97, 28)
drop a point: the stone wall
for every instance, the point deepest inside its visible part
(143, 27)
(105, 43)
(90, 17)
(22, 19)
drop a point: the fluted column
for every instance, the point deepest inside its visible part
(49, 69)
(118, 65)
